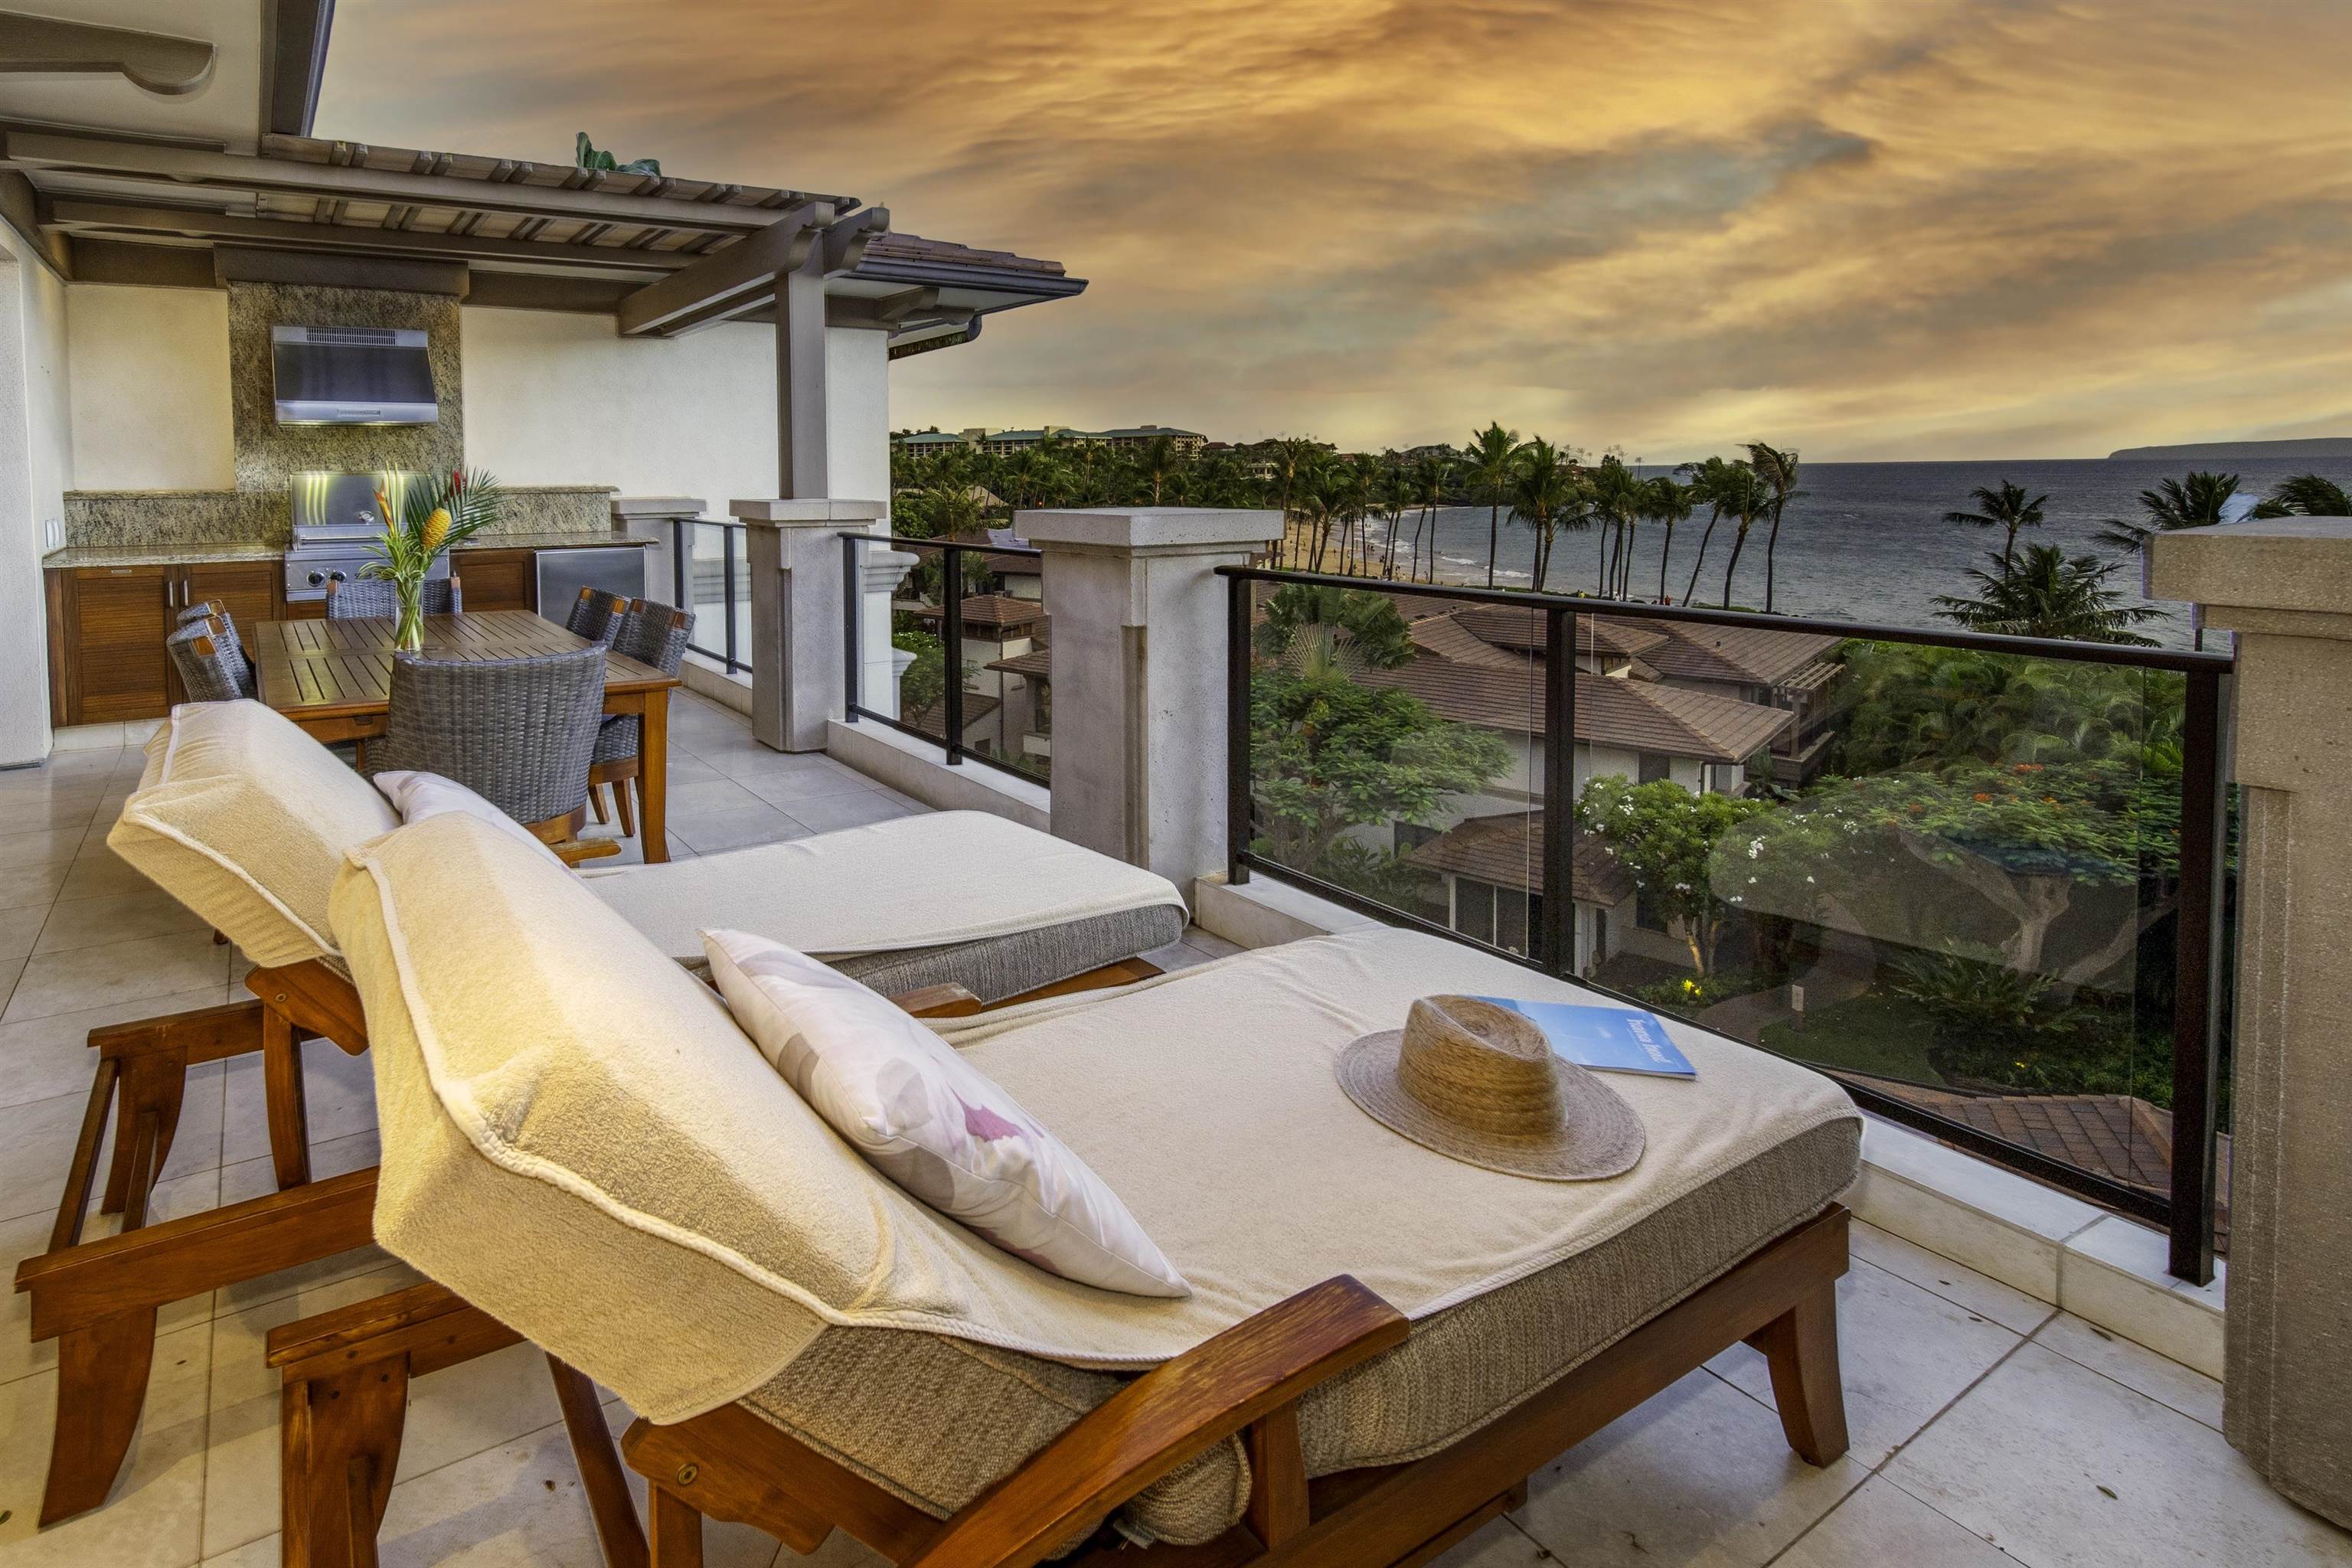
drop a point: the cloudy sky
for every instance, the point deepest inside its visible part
(1867, 229)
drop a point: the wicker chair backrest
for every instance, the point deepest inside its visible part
(517, 732)
(360, 598)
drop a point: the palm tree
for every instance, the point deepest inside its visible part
(1292, 456)
(2047, 593)
(1487, 462)
(1396, 500)
(1428, 476)
(2197, 501)
(2006, 508)
(2305, 495)
(1777, 469)
(1664, 500)
(1708, 485)
(1543, 492)
(1617, 503)
(1157, 461)
(1745, 497)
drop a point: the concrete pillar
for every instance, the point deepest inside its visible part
(1138, 661)
(2285, 587)
(654, 517)
(799, 624)
(880, 661)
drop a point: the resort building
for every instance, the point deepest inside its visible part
(984, 439)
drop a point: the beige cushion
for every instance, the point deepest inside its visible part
(576, 1138)
(925, 880)
(937, 1421)
(244, 819)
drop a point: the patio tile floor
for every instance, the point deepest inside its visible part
(1989, 1427)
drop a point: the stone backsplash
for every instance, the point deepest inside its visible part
(268, 453)
(150, 518)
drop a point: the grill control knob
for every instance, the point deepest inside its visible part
(316, 578)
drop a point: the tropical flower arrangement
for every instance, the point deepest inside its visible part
(431, 517)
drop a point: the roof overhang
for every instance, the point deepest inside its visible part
(664, 256)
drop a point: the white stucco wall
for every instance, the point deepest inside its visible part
(558, 398)
(149, 388)
(36, 466)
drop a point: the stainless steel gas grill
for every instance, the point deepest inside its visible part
(335, 520)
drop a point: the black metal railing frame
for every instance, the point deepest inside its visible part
(2187, 1211)
(951, 634)
(681, 560)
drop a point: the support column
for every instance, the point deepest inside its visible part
(802, 469)
(1138, 661)
(2285, 587)
(669, 573)
(800, 625)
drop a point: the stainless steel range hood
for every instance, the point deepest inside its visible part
(352, 375)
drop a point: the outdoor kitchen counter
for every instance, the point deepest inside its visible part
(167, 554)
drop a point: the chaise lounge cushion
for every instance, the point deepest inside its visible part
(577, 1139)
(244, 819)
(937, 1421)
(937, 879)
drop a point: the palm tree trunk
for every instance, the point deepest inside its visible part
(1625, 563)
(2008, 548)
(1771, 545)
(1665, 555)
(1739, 543)
(1493, 535)
(1715, 517)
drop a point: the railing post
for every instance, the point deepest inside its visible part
(2197, 970)
(1238, 809)
(1140, 655)
(727, 591)
(797, 611)
(951, 632)
(853, 628)
(1558, 947)
(2285, 587)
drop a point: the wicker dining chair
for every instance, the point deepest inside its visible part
(596, 616)
(517, 732)
(212, 667)
(214, 610)
(359, 598)
(651, 633)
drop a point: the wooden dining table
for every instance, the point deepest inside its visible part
(333, 677)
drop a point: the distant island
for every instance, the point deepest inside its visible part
(2238, 451)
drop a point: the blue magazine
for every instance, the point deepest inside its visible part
(1606, 1039)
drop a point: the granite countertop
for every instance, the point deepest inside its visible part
(167, 554)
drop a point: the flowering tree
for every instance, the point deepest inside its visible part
(2024, 838)
(1667, 838)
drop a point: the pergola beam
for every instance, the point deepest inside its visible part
(346, 183)
(159, 62)
(113, 219)
(743, 278)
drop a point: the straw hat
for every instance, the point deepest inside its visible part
(1480, 1083)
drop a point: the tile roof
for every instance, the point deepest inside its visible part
(1762, 655)
(1037, 664)
(1638, 715)
(1508, 851)
(1508, 626)
(1446, 638)
(998, 610)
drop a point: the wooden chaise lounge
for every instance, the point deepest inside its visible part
(245, 819)
(1382, 1347)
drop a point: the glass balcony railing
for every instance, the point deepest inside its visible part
(1978, 881)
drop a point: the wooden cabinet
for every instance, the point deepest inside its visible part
(107, 627)
(498, 579)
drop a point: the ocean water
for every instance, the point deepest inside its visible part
(1866, 541)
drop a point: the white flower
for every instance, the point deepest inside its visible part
(1755, 848)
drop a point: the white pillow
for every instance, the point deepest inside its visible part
(932, 1123)
(418, 795)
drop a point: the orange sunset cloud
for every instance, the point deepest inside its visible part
(1872, 229)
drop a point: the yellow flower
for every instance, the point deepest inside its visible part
(437, 529)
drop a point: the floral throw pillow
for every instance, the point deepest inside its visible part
(929, 1121)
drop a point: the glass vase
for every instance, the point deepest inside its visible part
(410, 636)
